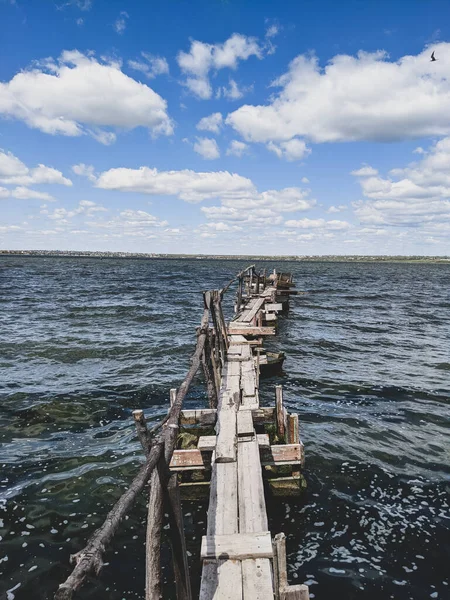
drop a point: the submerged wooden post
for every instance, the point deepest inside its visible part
(178, 540)
(141, 430)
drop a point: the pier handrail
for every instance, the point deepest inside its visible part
(89, 560)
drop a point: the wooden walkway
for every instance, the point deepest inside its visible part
(254, 449)
(237, 550)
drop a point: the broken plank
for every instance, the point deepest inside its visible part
(238, 546)
(226, 436)
(257, 582)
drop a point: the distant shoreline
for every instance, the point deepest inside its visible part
(294, 258)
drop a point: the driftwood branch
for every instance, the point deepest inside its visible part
(90, 559)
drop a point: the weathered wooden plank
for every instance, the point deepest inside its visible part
(207, 443)
(248, 316)
(234, 350)
(222, 520)
(270, 318)
(233, 370)
(221, 580)
(284, 454)
(237, 546)
(257, 579)
(248, 378)
(205, 416)
(195, 459)
(252, 505)
(249, 330)
(245, 423)
(273, 307)
(189, 460)
(226, 435)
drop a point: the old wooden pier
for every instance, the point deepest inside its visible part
(230, 453)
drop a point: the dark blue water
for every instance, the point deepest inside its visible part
(83, 342)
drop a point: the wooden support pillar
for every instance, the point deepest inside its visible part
(178, 540)
(153, 586)
(281, 413)
(293, 429)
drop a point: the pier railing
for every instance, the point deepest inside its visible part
(160, 442)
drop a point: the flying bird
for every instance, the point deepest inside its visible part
(432, 57)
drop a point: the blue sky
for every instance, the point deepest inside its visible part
(307, 127)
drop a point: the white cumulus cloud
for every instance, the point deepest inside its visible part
(187, 185)
(237, 148)
(211, 123)
(78, 94)
(203, 58)
(413, 196)
(14, 172)
(207, 148)
(151, 66)
(353, 98)
(291, 150)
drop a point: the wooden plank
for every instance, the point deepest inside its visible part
(233, 369)
(245, 423)
(196, 459)
(263, 415)
(189, 460)
(226, 435)
(273, 307)
(238, 339)
(252, 505)
(205, 416)
(235, 350)
(283, 454)
(222, 519)
(249, 330)
(238, 546)
(270, 318)
(248, 306)
(257, 581)
(248, 316)
(216, 578)
(207, 443)
(248, 378)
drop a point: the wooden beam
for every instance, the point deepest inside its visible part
(281, 413)
(238, 546)
(207, 443)
(204, 416)
(241, 330)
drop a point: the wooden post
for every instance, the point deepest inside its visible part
(281, 413)
(178, 540)
(250, 282)
(208, 371)
(141, 430)
(293, 429)
(173, 395)
(283, 591)
(153, 588)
